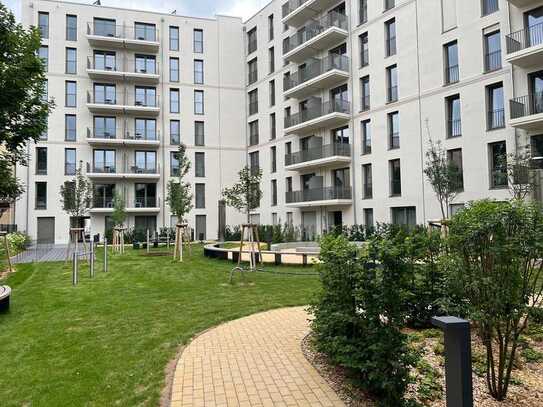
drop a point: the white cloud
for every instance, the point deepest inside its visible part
(242, 8)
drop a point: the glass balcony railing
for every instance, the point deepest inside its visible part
(522, 39)
(318, 194)
(111, 30)
(315, 68)
(146, 202)
(292, 5)
(112, 168)
(149, 99)
(314, 112)
(317, 153)
(147, 67)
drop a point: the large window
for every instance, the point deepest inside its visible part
(105, 94)
(251, 41)
(271, 58)
(252, 66)
(71, 60)
(174, 164)
(270, 27)
(145, 162)
(393, 130)
(199, 134)
(174, 69)
(145, 32)
(368, 217)
(454, 158)
(489, 6)
(71, 27)
(43, 53)
(406, 216)
(198, 71)
(390, 37)
(362, 11)
(174, 100)
(199, 165)
(104, 161)
(272, 93)
(254, 162)
(105, 60)
(367, 190)
(70, 161)
(273, 127)
(198, 102)
(145, 96)
(274, 192)
(43, 24)
(493, 51)
(71, 94)
(365, 93)
(41, 195)
(70, 124)
(145, 195)
(366, 137)
(498, 164)
(145, 129)
(105, 27)
(389, 4)
(103, 195)
(175, 132)
(452, 73)
(200, 196)
(105, 127)
(454, 118)
(145, 63)
(198, 41)
(364, 49)
(495, 104)
(395, 178)
(41, 160)
(392, 84)
(174, 38)
(253, 102)
(273, 159)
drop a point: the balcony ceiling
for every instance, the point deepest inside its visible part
(528, 57)
(325, 162)
(334, 119)
(330, 202)
(309, 9)
(524, 3)
(326, 80)
(326, 39)
(532, 123)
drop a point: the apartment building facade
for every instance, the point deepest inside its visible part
(334, 100)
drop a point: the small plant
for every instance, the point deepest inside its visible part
(245, 194)
(76, 195)
(18, 242)
(179, 196)
(118, 215)
(531, 355)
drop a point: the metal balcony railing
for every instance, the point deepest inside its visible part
(253, 108)
(394, 140)
(122, 99)
(291, 5)
(107, 168)
(314, 28)
(364, 58)
(452, 74)
(496, 119)
(316, 68)
(128, 135)
(318, 194)
(454, 128)
(395, 187)
(253, 139)
(526, 105)
(70, 168)
(368, 191)
(365, 103)
(392, 94)
(102, 134)
(106, 29)
(322, 109)
(112, 168)
(525, 38)
(328, 150)
(102, 202)
(253, 77)
(493, 61)
(391, 46)
(144, 136)
(146, 202)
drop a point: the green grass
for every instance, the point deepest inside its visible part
(107, 341)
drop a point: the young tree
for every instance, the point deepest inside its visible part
(119, 210)
(23, 108)
(522, 178)
(179, 196)
(444, 176)
(76, 195)
(245, 194)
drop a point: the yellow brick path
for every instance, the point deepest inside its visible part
(252, 361)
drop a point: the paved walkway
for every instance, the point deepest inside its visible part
(252, 361)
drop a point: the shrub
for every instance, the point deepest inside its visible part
(17, 242)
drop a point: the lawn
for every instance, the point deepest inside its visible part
(108, 340)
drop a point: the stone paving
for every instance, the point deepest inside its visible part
(252, 361)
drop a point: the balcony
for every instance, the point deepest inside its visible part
(119, 103)
(318, 74)
(326, 196)
(525, 47)
(138, 205)
(527, 112)
(135, 139)
(327, 114)
(112, 171)
(316, 36)
(125, 70)
(297, 12)
(524, 3)
(119, 36)
(327, 155)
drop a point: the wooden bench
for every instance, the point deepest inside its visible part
(5, 293)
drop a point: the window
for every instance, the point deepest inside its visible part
(389, 4)
(174, 164)
(368, 217)
(145, 162)
(367, 190)
(199, 166)
(288, 148)
(41, 195)
(145, 63)
(270, 27)
(174, 69)
(105, 60)
(174, 100)
(105, 94)
(390, 37)
(71, 60)
(392, 84)
(145, 195)
(175, 132)
(288, 184)
(198, 41)
(145, 32)
(41, 160)
(145, 223)
(273, 153)
(273, 127)
(271, 58)
(43, 24)
(71, 28)
(105, 127)
(452, 74)
(145, 129)
(395, 178)
(366, 137)
(536, 145)
(198, 102)
(362, 11)
(454, 120)
(69, 161)
(105, 27)
(201, 227)
(70, 124)
(406, 216)
(393, 130)
(274, 218)
(200, 196)
(290, 220)
(272, 93)
(364, 50)
(104, 161)
(199, 135)
(71, 94)
(274, 192)
(489, 6)
(174, 38)
(454, 157)
(496, 112)
(145, 96)
(251, 41)
(43, 53)
(253, 102)
(498, 164)
(254, 162)
(253, 133)
(493, 51)
(198, 71)
(252, 71)
(365, 93)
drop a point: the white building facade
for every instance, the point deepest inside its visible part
(334, 100)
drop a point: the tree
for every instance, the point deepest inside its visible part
(76, 195)
(23, 107)
(245, 194)
(499, 246)
(444, 176)
(119, 210)
(522, 178)
(179, 196)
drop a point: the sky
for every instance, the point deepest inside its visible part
(195, 8)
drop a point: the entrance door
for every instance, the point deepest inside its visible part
(200, 227)
(338, 219)
(309, 225)
(46, 230)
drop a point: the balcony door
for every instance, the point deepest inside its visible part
(105, 94)
(145, 196)
(536, 92)
(104, 161)
(103, 195)
(533, 21)
(105, 61)
(145, 162)
(307, 181)
(145, 96)
(341, 178)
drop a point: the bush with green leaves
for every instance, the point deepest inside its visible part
(17, 242)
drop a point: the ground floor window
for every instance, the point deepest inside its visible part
(406, 215)
(145, 223)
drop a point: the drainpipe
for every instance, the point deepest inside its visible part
(163, 135)
(511, 73)
(353, 164)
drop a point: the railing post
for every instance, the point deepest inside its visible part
(458, 380)
(105, 254)
(74, 269)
